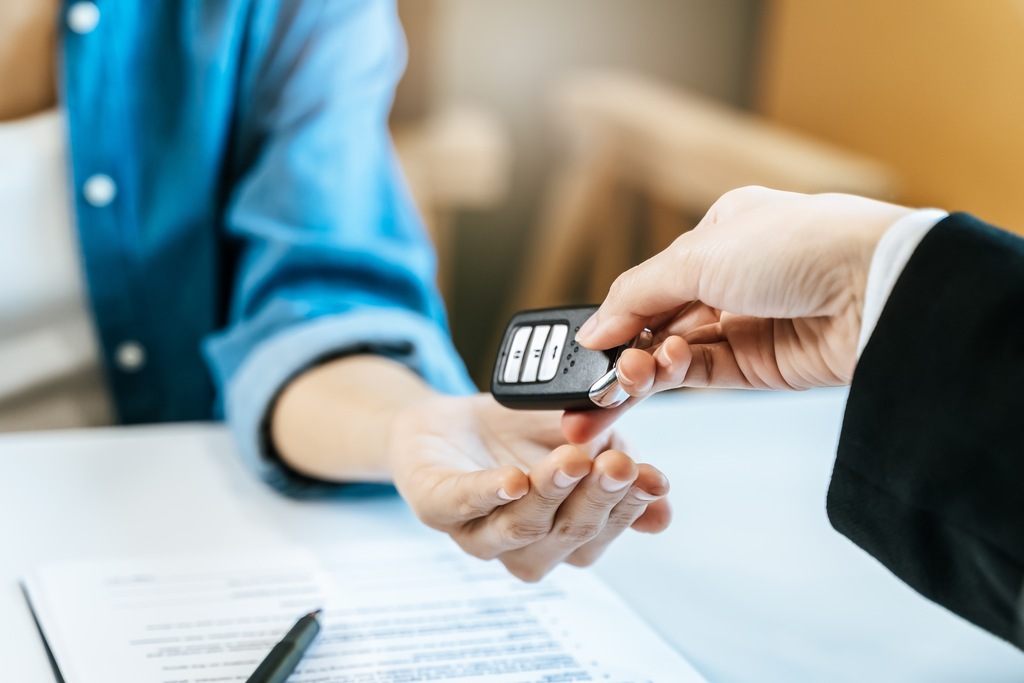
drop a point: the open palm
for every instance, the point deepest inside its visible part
(504, 484)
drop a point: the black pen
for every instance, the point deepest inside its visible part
(285, 656)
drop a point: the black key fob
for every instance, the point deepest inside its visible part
(540, 365)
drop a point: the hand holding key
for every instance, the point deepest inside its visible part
(766, 292)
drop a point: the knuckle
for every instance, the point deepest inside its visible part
(622, 518)
(467, 510)
(573, 532)
(728, 197)
(733, 200)
(723, 203)
(622, 284)
(744, 192)
(524, 531)
(546, 498)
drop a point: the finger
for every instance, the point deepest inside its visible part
(671, 279)
(696, 315)
(581, 518)
(655, 518)
(715, 365)
(453, 498)
(649, 488)
(741, 352)
(672, 360)
(664, 283)
(531, 517)
(706, 334)
(642, 373)
(585, 513)
(608, 440)
(671, 365)
(584, 426)
(636, 371)
(661, 320)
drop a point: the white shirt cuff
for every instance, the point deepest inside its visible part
(890, 258)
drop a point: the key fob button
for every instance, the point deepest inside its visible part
(553, 353)
(516, 353)
(539, 367)
(536, 349)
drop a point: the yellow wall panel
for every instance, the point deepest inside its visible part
(935, 88)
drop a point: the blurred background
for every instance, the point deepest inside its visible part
(553, 143)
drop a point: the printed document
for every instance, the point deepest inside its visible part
(393, 613)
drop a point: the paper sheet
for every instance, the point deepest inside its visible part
(392, 614)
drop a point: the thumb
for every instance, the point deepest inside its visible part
(450, 498)
(648, 295)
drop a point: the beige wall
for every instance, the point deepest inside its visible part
(509, 55)
(935, 88)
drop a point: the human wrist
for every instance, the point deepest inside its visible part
(335, 421)
(891, 254)
(863, 222)
(406, 424)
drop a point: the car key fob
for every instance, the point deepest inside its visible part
(540, 365)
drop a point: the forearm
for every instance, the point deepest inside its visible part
(928, 472)
(334, 421)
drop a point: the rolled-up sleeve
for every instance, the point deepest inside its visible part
(330, 255)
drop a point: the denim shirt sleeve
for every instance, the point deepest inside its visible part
(332, 257)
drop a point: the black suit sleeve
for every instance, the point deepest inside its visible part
(930, 472)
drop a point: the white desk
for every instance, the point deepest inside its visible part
(750, 582)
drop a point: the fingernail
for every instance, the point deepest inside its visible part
(640, 494)
(612, 485)
(504, 495)
(587, 329)
(623, 379)
(563, 480)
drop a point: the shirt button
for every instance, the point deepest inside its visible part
(130, 356)
(99, 190)
(83, 17)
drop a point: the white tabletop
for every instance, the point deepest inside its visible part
(750, 582)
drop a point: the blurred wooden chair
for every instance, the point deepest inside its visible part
(644, 162)
(457, 158)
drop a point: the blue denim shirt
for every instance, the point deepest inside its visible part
(240, 211)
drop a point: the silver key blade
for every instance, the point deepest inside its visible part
(607, 392)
